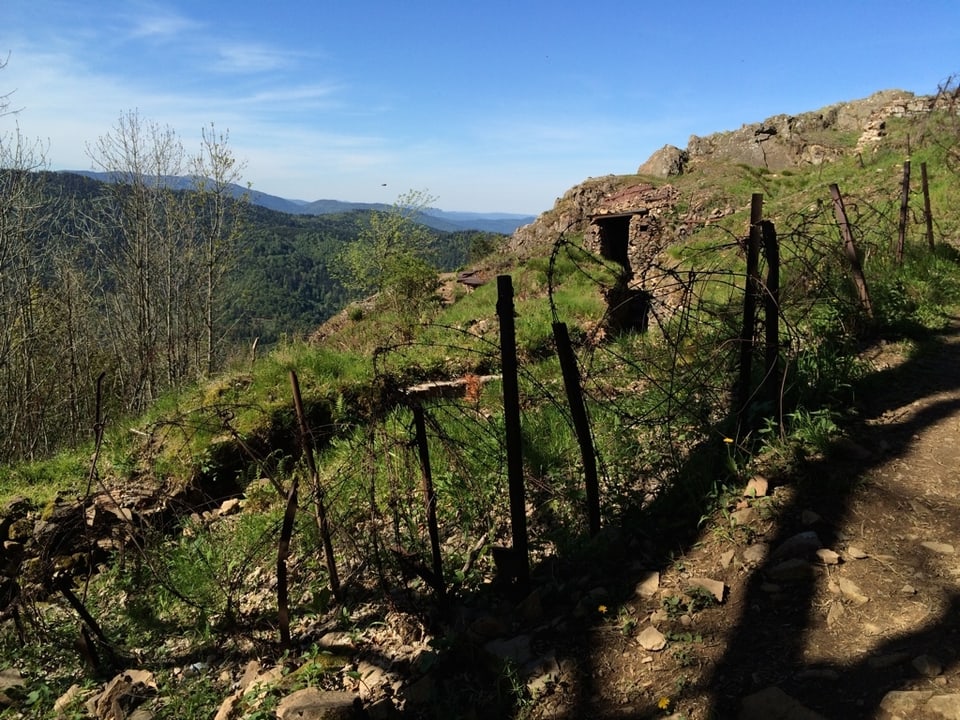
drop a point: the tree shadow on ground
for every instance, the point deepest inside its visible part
(767, 646)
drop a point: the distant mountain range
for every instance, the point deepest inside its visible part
(448, 221)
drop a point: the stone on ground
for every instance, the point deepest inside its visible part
(773, 703)
(315, 704)
(652, 639)
(918, 705)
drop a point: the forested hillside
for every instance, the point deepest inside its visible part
(152, 287)
(285, 281)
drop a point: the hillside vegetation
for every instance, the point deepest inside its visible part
(154, 287)
(221, 525)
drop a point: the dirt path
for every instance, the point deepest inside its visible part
(836, 633)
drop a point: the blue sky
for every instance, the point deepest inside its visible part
(488, 106)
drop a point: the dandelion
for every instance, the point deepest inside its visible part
(602, 609)
(664, 703)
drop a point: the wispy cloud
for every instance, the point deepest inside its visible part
(157, 23)
(252, 58)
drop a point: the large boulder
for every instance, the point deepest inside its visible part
(668, 161)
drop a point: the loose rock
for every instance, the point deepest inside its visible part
(800, 545)
(314, 704)
(774, 704)
(714, 587)
(756, 553)
(918, 705)
(793, 570)
(851, 592)
(649, 584)
(828, 557)
(927, 665)
(652, 639)
(516, 650)
(756, 487)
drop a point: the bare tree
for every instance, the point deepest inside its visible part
(5, 99)
(166, 246)
(218, 221)
(141, 247)
(22, 363)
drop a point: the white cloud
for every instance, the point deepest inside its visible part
(251, 58)
(152, 21)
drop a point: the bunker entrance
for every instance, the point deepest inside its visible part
(614, 235)
(628, 307)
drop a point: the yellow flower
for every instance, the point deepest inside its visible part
(602, 609)
(664, 703)
(728, 441)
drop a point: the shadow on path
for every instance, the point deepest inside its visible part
(769, 643)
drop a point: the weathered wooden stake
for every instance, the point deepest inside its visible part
(581, 423)
(927, 215)
(321, 511)
(511, 416)
(771, 315)
(751, 294)
(850, 248)
(904, 209)
(429, 498)
(283, 552)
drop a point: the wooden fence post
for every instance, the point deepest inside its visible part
(581, 423)
(283, 552)
(927, 215)
(321, 511)
(850, 249)
(511, 416)
(904, 208)
(429, 498)
(752, 292)
(771, 315)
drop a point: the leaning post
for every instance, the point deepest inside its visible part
(511, 416)
(749, 306)
(429, 498)
(927, 215)
(581, 423)
(904, 208)
(850, 248)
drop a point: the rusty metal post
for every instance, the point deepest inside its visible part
(429, 498)
(581, 423)
(850, 248)
(904, 208)
(771, 315)
(511, 416)
(321, 511)
(927, 215)
(283, 552)
(751, 295)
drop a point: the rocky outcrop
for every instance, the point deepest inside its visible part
(668, 161)
(785, 141)
(777, 143)
(570, 214)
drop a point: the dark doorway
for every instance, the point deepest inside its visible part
(614, 235)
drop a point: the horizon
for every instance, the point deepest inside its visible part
(492, 109)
